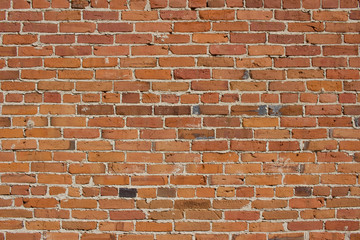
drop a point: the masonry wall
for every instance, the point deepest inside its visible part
(179, 119)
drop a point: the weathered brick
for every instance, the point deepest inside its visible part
(196, 102)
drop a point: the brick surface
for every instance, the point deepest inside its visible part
(179, 119)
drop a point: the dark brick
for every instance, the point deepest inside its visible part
(193, 204)
(133, 110)
(79, 4)
(72, 145)
(127, 192)
(5, 122)
(302, 191)
(357, 157)
(196, 109)
(172, 110)
(166, 192)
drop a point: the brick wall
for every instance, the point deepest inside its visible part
(179, 119)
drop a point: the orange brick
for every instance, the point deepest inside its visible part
(153, 227)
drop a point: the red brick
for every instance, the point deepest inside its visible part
(77, 27)
(177, 15)
(19, 39)
(73, 51)
(152, 26)
(306, 27)
(115, 27)
(247, 37)
(155, 93)
(149, 50)
(152, 74)
(111, 51)
(25, 16)
(10, 27)
(133, 38)
(100, 15)
(303, 50)
(118, 4)
(126, 215)
(40, 27)
(139, 15)
(153, 227)
(217, 14)
(191, 26)
(62, 15)
(15, 236)
(8, 51)
(305, 226)
(267, 26)
(292, 15)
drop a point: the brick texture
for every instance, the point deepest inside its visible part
(179, 119)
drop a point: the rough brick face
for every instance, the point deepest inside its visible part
(179, 119)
